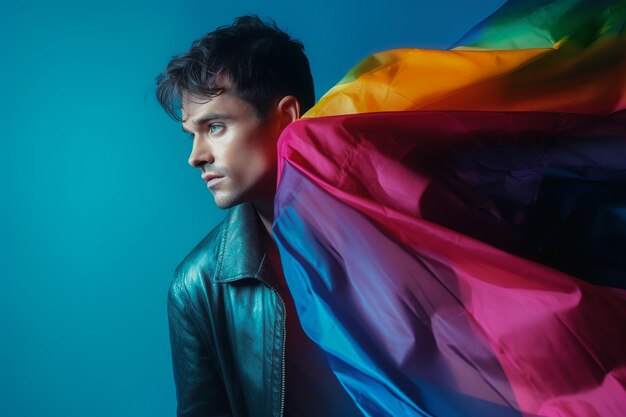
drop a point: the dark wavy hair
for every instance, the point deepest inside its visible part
(261, 61)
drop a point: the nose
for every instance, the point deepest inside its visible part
(200, 152)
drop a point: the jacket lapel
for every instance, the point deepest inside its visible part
(240, 252)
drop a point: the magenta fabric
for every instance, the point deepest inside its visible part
(425, 254)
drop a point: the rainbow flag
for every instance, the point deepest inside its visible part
(452, 224)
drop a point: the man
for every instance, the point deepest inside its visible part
(237, 346)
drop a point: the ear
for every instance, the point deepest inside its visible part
(288, 110)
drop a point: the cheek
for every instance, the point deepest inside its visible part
(250, 165)
(261, 162)
(252, 157)
(262, 152)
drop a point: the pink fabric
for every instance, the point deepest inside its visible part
(560, 340)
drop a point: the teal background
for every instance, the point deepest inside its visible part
(98, 203)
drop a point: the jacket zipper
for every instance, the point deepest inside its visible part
(282, 388)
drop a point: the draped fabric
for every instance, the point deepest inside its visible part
(452, 224)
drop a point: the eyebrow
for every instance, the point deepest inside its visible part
(208, 117)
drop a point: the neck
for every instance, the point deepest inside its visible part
(265, 209)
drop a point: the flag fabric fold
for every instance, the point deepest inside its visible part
(452, 224)
(531, 55)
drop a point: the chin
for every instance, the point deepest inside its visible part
(225, 205)
(224, 202)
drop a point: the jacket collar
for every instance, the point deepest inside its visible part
(241, 253)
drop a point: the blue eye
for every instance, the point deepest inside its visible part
(216, 128)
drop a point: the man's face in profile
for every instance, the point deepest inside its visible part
(233, 148)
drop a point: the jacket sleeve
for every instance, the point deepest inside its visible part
(200, 391)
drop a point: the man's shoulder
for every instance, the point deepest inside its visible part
(198, 266)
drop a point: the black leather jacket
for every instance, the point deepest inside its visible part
(227, 327)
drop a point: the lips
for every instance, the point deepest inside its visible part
(211, 179)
